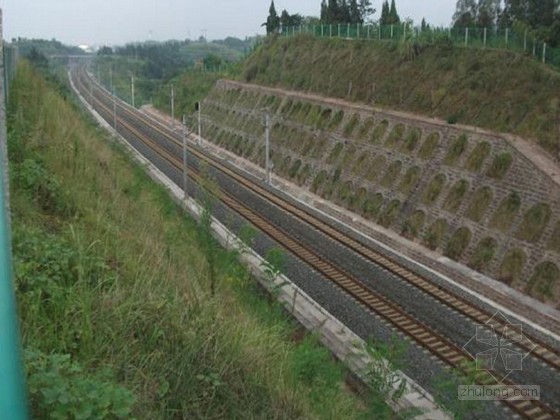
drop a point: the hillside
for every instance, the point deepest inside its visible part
(499, 90)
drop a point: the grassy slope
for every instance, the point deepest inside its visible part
(112, 291)
(494, 89)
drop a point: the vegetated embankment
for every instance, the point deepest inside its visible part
(500, 90)
(464, 192)
(113, 295)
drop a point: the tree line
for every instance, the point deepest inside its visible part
(542, 17)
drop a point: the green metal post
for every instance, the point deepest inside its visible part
(13, 401)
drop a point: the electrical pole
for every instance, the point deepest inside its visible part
(172, 102)
(114, 111)
(111, 79)
(132, 93)
(267, 145)
(199, 128)
(185, 175)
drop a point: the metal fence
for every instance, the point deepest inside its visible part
(13, 402)
(507, 39)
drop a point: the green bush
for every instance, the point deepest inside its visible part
(429, 147)
(388, 215)
(392, 174)
(351, 125)
(479, 204)
(414, 224)
(478, 156)
(543, 283)
(511, 268)
(395, 137)
(436, 233)
(456, 150)
(534, 223)
(455, 198)
(335, 153)
(410, 180)
(506, 212)
(379, 131)
(458, 243)
(412, 139)
(554, 243)
(500, 166)
(59, 388)
(434, 189)
(372, 205)
(483, 254)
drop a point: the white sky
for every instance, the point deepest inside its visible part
(119, 21)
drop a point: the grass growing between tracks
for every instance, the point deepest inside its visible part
(116, 314)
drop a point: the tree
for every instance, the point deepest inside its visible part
(344, 13)
(385, 13)
(273, 21)
(332, 11)
(105, 51)
(487, 13)
(354, 12)
(366, 10)
(324, 11)
(393, 15)
(424, 26)
(287, 20)
(465, 14)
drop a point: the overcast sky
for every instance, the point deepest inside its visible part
(120, 21)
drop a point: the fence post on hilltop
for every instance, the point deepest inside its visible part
(507, 37)
(368, 31)
(322, 30)
(525, 41)
(330, 30)
(338, 33)
(544, 53)
(485, 30)
(348, 30)
(380, 35)
(391, 31)
(466, 37)
(358, 30)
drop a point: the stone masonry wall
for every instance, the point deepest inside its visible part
(467, 193)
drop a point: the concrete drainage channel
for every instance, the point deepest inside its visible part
(341, 341)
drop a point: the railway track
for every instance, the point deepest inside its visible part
(422, 334)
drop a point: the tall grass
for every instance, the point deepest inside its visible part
(113, 297)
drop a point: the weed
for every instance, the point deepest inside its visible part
(512, 266)
(351, 125)
(395, 136)
(478, 156)
(379, 132)
(456, 150)
(336, 120)
(483, 254)
(410, 180)
(434, 189)
(554, 243)
(412, 139)
(436, 233)
(479, 204)
(335, 153)
(500, 166)
(455, 198)
(535, 221)
(372, 205)
(506, 212)
(543, 283)
(392, 174)
(458, 243)
(389, 214)
(414, 224)
(429, 147)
